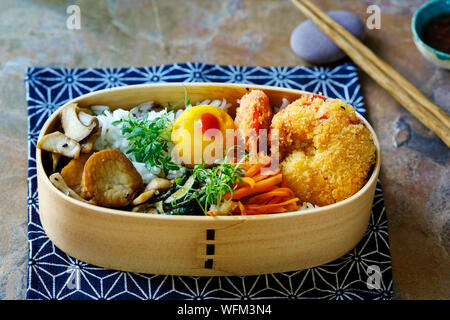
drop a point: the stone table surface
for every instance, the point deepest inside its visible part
(415, 176)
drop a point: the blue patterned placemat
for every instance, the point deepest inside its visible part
(363, 273)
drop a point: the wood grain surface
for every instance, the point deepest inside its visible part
(414, 175)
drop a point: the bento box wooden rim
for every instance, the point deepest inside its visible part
(40, 169)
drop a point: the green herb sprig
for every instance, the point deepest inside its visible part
(216, 182)
(149, 140)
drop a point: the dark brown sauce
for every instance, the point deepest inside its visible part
(436, 33)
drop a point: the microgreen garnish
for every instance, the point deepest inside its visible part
(186, 100)
(149, 140)
(216, 182)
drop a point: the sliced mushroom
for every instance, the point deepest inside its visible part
(58, 181)
(155, 185)
(158, 184)
(59, 143)
(110, 179)
(73, 126)
(87, 119)
(55, 160)
(73, 172)
(88, 144)
(143, 197)
(86, 110)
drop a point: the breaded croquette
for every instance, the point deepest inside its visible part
(327, 150)
(253, 114)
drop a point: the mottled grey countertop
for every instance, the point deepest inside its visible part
(415, 164)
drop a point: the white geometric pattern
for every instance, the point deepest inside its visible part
(52, 274)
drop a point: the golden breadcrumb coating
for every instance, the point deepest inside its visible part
(254, 113)
(327, 150)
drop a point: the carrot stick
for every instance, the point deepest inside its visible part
(249, 181)
(283, 192)
(267, 210)
(262, 176)
(292, 206)
(243, 210)
(275, 200)
(262, 192)
(251, 212)
(260, 186)
(258, 206)
(254, 169)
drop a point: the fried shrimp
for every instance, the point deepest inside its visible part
(253, 114)
(110, 179)
(327, 150)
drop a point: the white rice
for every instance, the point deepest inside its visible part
(99, 109)
(111, 136)
(217, 103)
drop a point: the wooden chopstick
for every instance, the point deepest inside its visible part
(402, 90)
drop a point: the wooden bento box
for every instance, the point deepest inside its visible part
(199, 245)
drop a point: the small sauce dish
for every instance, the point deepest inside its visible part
(430, 28)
